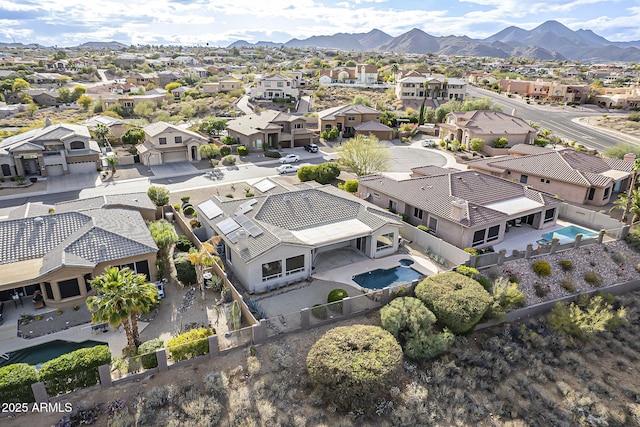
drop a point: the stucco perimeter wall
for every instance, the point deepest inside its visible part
(433, 245)
(588, 218)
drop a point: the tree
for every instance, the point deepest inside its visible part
(31, 109)
(121, 294)
(112, 161)
(355, 367)
(101, 131)
(206, 256)
(209, 151)
(65, 95)
(361, 100)
(458, 301)
(78, 91)
(164, 234)
(632, 189)
(132, 136)
(212, 126)
(411, 323)
(85, 101)
(19, 85)
(145, 109)
(171, 86)
(628, 206)
(364, 156)
(159, 195)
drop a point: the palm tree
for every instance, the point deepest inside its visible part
(632, 189)
(206, 256)
(628, 205)
(112, 161)
(101, 131)
(121, 295)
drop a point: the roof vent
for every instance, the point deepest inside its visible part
(38, 221)
(286, 198)
(304, 196)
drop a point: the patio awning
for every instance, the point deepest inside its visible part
(335, 232)
(18, 273)
(615, 174)
(515, 206)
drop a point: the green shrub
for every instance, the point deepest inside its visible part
(500, 142)
(229, 160)
(225, 150)
(330, 134)
(634, 117)
(185, 199)
(350, 186)
(336, 295)
(319, 311)
(74, 370)
(566, 264)
(476, 144)
(147, 352)
(15, 383)
(186, 272)
(423, 228)
(541, 289)
(411, 323)
(242, 150)
(484, 281)
(619, 257)
(190, 344)
(593, 278)
(355, 367)
(542, 268)
(472, 251)
(568, 284)
(177, 207)
(468, 271)
(458, 302)
(188, 210)
(272, 154)
(184, 244)
(306, 173)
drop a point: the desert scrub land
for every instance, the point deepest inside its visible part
(617, 122)
(518, 374)
(333, 96)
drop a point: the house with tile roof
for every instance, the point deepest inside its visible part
(58, 149)
(270, 128)
(59, 254)
(487, 125)
(275, 239)
(464, 208)
(166, 143)
(575, 176)
(365, 74)
(346, 118)
(275, 86)
(414, 86)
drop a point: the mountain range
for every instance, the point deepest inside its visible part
(550, 40)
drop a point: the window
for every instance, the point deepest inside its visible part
(69, 288)
(178, 139)
(48, 290)
(280, 84)
(433, 224)
(77, 145)
(549, 214)
(162, 140)
(271, 270)
(493, 233)
(87, 282)
(376, 195)
(478, 237)
(592, 192)
(393, 206)
(267, 84)
(384, 241)
(294, 264)
(327, 127)
(523, 179)
(351, 118)
(298, 125)
(605, 196)
(417, 213)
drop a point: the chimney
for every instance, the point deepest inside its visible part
(629, 157)
(47, 122)
(458, 209)
(242, 239)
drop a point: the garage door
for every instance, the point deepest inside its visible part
(302, 142)
(179, 156)
(84, 167)
(55, 170)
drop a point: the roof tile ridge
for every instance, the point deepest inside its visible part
(577, 172)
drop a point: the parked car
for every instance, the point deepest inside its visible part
(312, 148)
(290, 158)
(429, 143)
(160, 287)
(287, 169)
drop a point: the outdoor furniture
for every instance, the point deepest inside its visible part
(100, 326)
(38, 300)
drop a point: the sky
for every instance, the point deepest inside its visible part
(221, 22)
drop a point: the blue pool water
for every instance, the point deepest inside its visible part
(378, 279)
(568, 234)
(38, 354)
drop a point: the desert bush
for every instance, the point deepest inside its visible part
(74, 370)
(319, 311)
(423, 228)
(566, 264)
(476, 144)
(484, 281)
(593, 278)
(225, 150)
(184, 244)
(306, 173)
(542, 268)
(350, 186)
(458, 302)
(619, 257)
(188, 210)
(185, 270)
(242, 150)
(411, 323)
(500, 142)
(468, 271)
(272, 154)
(336, 295)
(15, 383)
(191, 344)
(541, 289)
(147, 352)
(229, 159)
(568, 284)
(355, 367)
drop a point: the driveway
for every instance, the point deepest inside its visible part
(168, 170)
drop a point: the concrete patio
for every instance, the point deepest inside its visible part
(519, 237)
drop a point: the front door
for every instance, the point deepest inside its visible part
(194, 154)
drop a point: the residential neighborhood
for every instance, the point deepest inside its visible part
(164, 209)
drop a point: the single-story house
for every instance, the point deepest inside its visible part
(166, 143)
(275, 239)
(377, 129)
(575, 176)
(464, 208)
(59, 254)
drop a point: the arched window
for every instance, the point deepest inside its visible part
(77, 145)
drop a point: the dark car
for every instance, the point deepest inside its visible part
(312, 148)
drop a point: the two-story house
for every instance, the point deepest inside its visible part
(275, 86)
(365, 74)
(349, 117)
(166, 143)
(413, 87)
(53, 150)
(269, 129)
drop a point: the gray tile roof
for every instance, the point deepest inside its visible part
(130, 200)
(74, 238)
(331, 113)
(492, 122)
(434, 194)
(528, 149)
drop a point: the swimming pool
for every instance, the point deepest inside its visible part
(568, 234)
(379, 278)
(38, 354)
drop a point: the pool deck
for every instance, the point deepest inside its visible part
(519, 237)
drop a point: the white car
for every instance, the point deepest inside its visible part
(290, 158)
(429, 143)
(287, 169)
